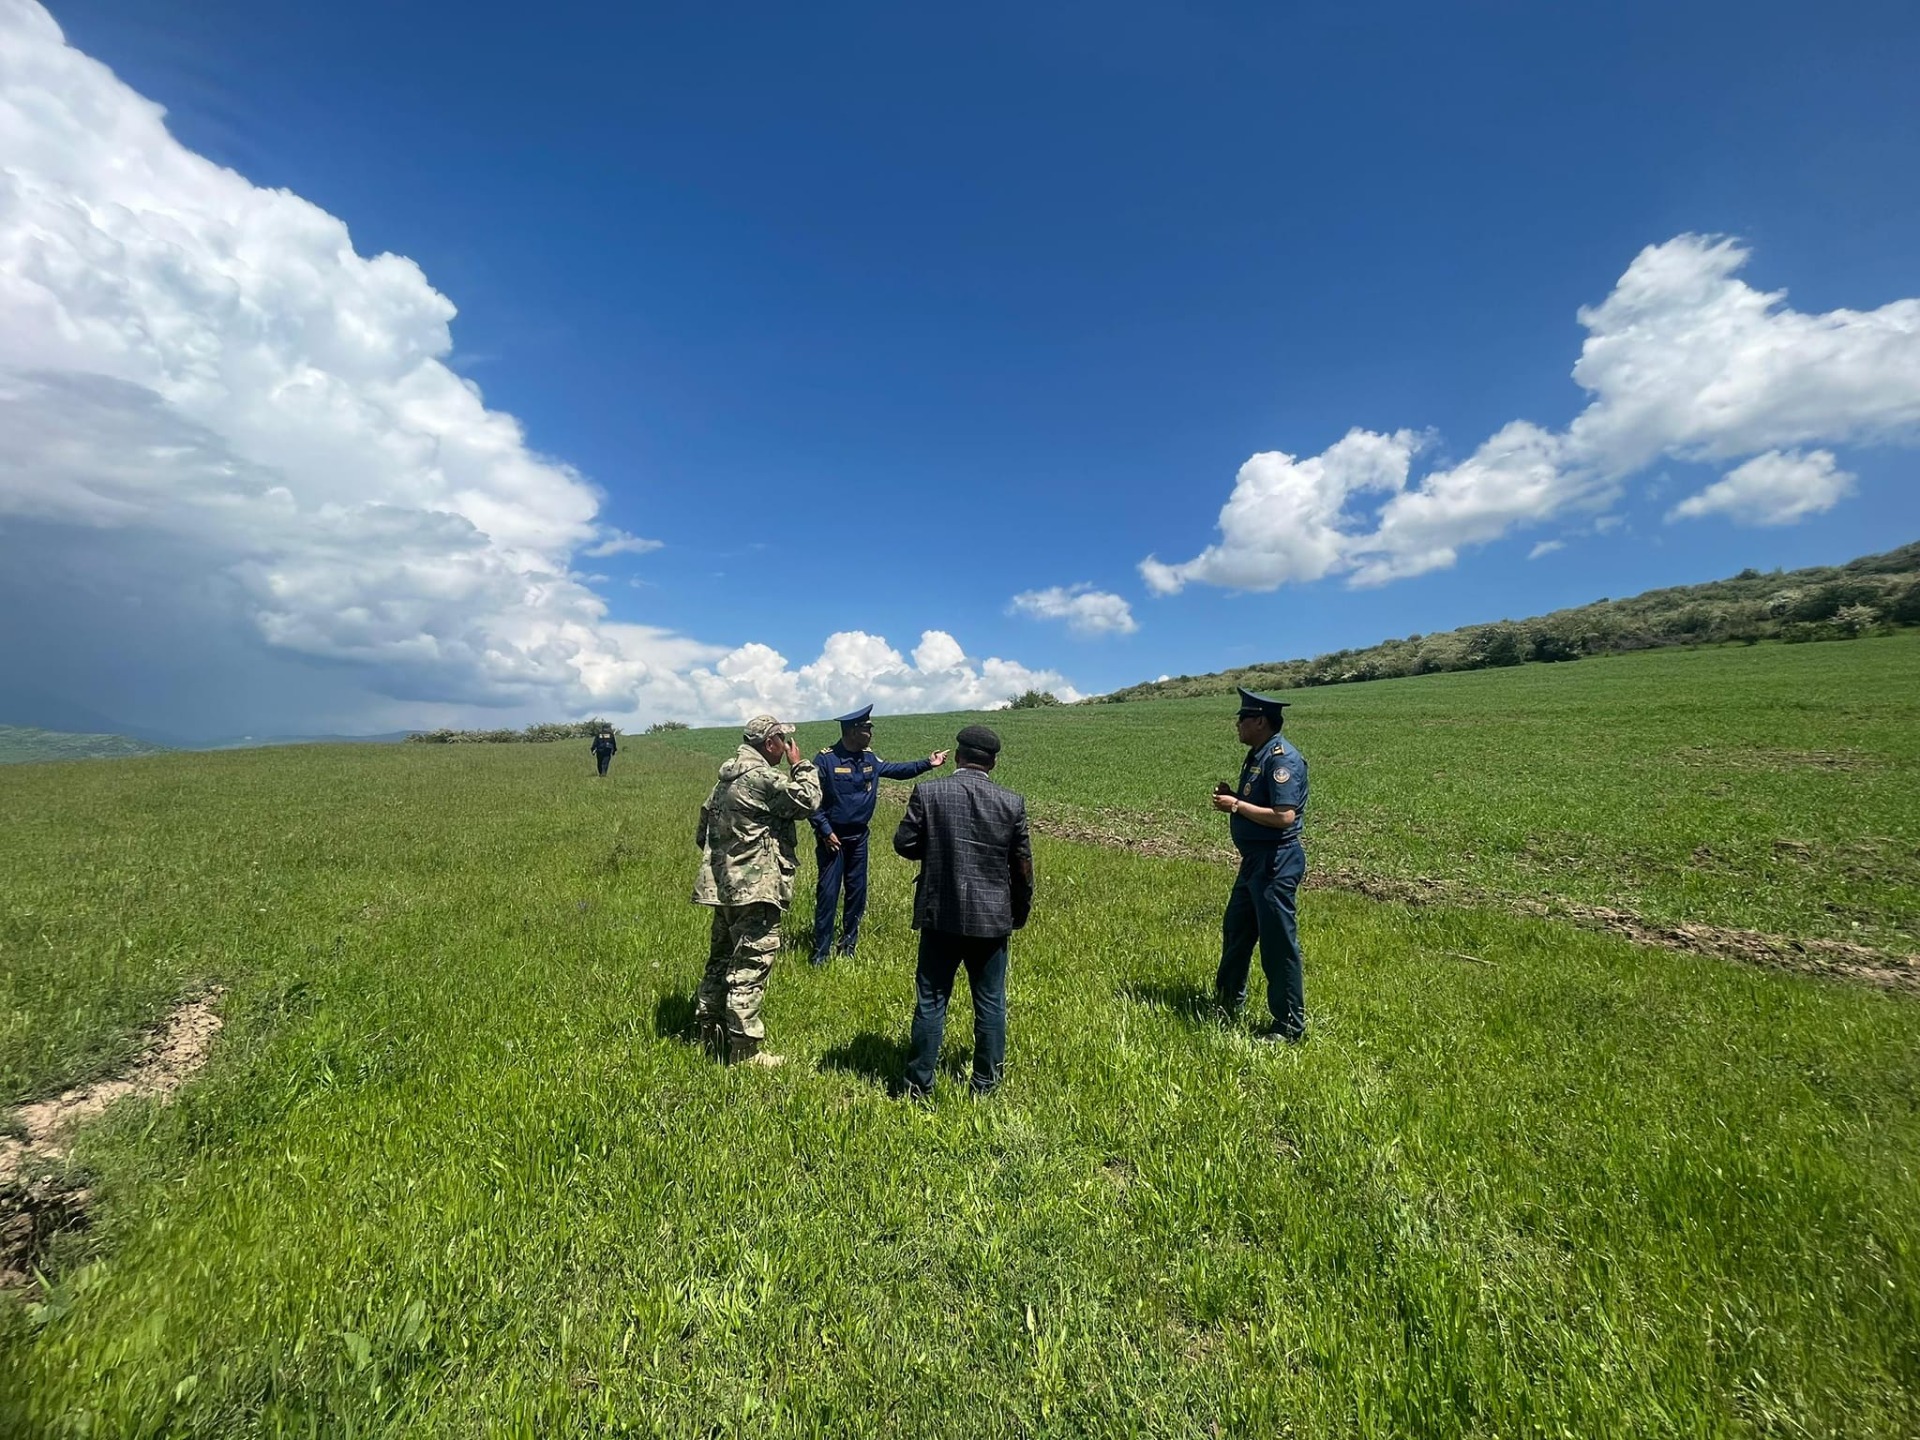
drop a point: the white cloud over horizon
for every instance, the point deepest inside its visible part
(1085, 610)
(201, 371)
(1776, 488)
(1682, 360)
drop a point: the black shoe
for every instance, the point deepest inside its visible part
(819, 959)
(1274, 1032)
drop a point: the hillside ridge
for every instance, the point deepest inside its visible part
(1820, 602)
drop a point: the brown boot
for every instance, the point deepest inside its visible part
(745, 1050)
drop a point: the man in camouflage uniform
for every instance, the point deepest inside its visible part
(746, 840)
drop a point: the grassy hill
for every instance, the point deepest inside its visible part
(1825, 602)
(21, 744)
(456, 1169)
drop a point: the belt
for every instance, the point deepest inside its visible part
(1256, 847)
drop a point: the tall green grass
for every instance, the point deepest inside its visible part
(456, 1168)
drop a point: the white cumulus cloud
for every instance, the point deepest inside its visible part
(1683, 360)
(1287, 519)
(216, 414)
(1776, 488)
(1087, 611)
(855, 668)
(619, 542)
(1514, 477)
(1686, 359)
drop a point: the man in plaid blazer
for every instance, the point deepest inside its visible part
(974, 890)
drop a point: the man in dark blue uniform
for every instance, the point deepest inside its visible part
(849, 772)
(1267, 807)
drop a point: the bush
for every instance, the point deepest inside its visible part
(1904, 609)
(664, 727)
(1855, 619)
(1550, 645)
(1032, 700)
(544, 733)
(1495, 646)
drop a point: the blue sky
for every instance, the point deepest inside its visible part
(877, 317)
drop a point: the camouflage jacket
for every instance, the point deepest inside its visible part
(747, 830)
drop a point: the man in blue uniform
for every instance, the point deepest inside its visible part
(849, 773)
(1266, 807)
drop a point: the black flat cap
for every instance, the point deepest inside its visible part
(978, 737)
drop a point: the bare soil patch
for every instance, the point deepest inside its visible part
(34, 1207)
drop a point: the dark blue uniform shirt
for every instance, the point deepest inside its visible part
(847, 786)
(1274, 776)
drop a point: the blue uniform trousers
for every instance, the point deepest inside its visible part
(848, 870)
(1261, 908)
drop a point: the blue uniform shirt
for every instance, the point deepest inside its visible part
(1275, 777)
(847, 786)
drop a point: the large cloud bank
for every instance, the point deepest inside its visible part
(1683, 360)
(204, 375)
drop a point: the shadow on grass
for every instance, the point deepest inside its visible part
(1189, 1002)
(878, 1058)
(673, 1019)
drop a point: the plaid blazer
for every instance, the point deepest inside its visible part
(976, 860)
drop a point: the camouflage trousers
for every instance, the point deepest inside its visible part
(739, 959)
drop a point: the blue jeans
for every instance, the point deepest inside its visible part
(941, 956)
(1261, 908)
(845, 868)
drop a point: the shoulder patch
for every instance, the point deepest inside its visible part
(1281, 774)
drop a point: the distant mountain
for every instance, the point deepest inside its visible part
(21, 745)
(1824, 602)
(27, 708)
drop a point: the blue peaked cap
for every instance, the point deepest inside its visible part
(855, 717)
(1252, 704)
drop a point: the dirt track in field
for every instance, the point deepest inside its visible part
(35, 1207)
(1881, 968)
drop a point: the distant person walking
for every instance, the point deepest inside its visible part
(974, 890)
(746, 839)
(604, 748)
(1266, 807)
(848, 772)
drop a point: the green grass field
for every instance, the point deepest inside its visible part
(456, 1169)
